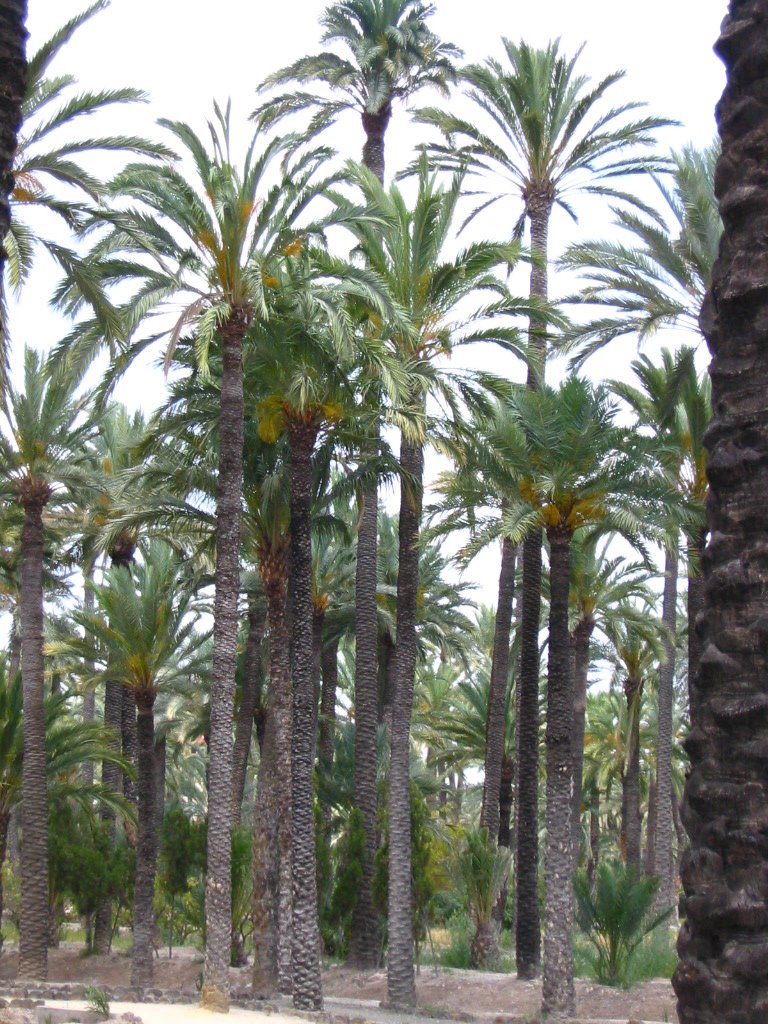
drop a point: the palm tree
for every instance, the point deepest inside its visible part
(390, 55)
(210, 240)
(13, 15)
(144, 629)
(725, 798)
(546, 138)
(406, 249)
(49, 433)
(575, 469)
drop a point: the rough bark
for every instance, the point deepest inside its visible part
(631, 819)
(364, 940)
(496, 721)
(558, 992)
(723, 945)
(401, 992)
(329, 671)
(272, 900)
(218, 884)
(247, 711)
(650, 832)
(110, 776)
(580, 641)
(663, 864)
(527, 928)
(146, 845)
(130, 744)
(5, 821)
(305, 946)
(33, 932)
(13, 82)
(375, 128)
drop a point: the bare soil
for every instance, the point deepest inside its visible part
(441, 992)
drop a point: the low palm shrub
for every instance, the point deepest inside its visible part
(615, 914)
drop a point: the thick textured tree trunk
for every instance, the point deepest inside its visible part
(146, 845)
(723, 976)
(364, 941)
(130, 744)
(110, 776)
(387, 672)
(272, 898)
(33, 933)
(580, 641)
(330, 675)
(305, 946)
(375, 128)
(695, 610)
(558, 992)
(401, 991)
(664, 866)
(13, 81)
(247, 711)
(218, 884)
(631, 824)
(652, 828)
(496, 722)
(527, 928)
(5, 821)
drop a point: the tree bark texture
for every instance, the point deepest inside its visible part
(364, 940)
(652, 827)
(401, 991)
(305, 945)
(527, 927)
(580, 641)
(664, 866)
(329, 670)
(246, 713)
(13, 83)
(130, 744)
(146, 845)
(375, 128)
(5, 821)
(631, 819)
(272, 882)
(558, 992)
(33, 932)
(723, 945)
(110, 776)
(496, 721)
(218, 884)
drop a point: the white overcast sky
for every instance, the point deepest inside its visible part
(185, 53)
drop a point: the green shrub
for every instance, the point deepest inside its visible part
(615, 915)
(457, 953)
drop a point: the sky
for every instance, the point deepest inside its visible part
(185, 53)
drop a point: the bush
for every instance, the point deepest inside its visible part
(457, 953)
(615, 916)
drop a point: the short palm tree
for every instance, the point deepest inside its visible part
(49, 434)
(483, 869)
(145, 632)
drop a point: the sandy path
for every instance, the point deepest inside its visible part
(179, 1013)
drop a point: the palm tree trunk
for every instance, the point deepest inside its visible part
(89, 697)
(496, 722)
(558, 992)
(631, 816)
(146, 846)
(5, 821)
(307, 991)
(218, 884)
(527, 928)
(375, 128)
(13, 81)
(330, 676)
(364, 939)
(665, 869)
(130, 744)
(695, 609)
(401, 991)
(110, 776)
(722, 975)
(33, 931)
(580, 641)
(247, 710)
(653, 826)
(272, 903)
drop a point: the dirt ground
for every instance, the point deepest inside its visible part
(497, 998)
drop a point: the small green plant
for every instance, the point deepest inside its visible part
(97, 999)
(483, 868)
(615, 915)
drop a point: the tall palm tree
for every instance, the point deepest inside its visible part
(390, 53)
(208, 239)
(575, 469)
(13, 15)
(407, 250)
(49, 433)
(546, 137)
(725, 800)
(144, 629)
